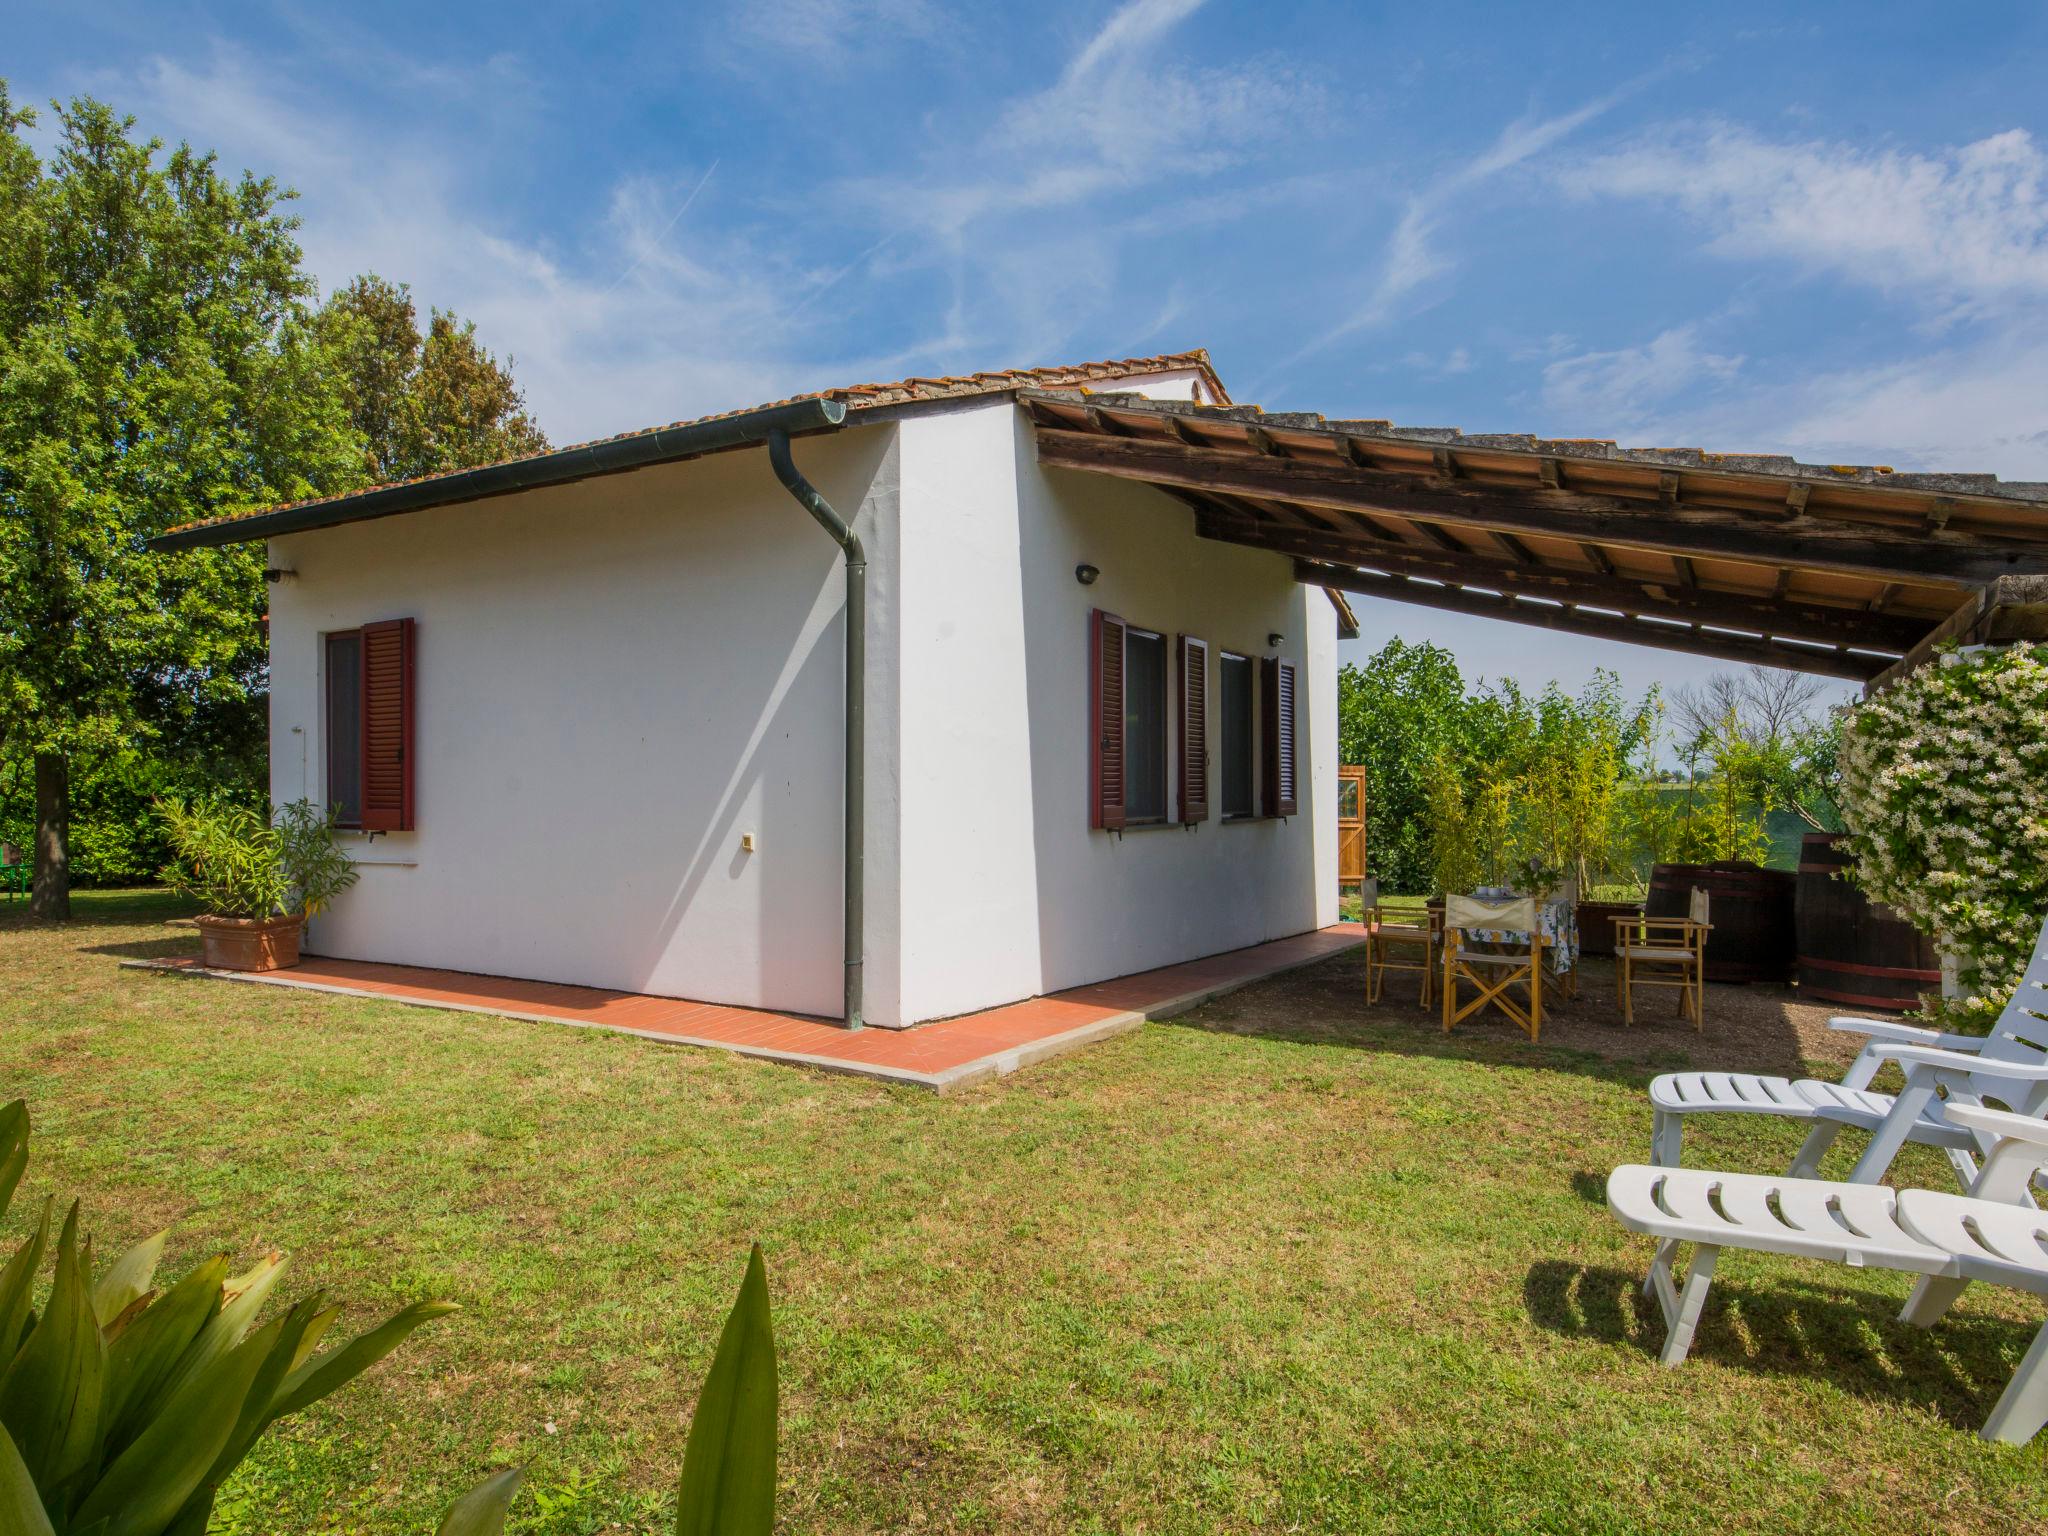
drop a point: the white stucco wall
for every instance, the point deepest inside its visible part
(616, 680)
(619, 679)
(1005, 890)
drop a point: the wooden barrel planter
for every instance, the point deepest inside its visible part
(1851, 950)
(1750, 908)
(1596, 924)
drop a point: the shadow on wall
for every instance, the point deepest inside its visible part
(779, 769)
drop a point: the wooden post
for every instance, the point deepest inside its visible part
(2012, 608)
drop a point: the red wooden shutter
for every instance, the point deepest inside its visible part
(1278, 680)
(1194, 729)
(1105, 720)
(387, 726)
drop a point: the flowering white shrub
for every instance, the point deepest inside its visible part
(1945, 792)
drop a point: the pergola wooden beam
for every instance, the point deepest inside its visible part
(1793, 620)
(2009, 609)
(1694, 639)
(1679, 526)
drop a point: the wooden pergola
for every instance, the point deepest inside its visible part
(1851, 571)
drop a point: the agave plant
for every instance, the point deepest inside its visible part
(728, 1481)
(123, 1407)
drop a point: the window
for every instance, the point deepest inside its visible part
(1144, 726)
(1234, 680)
(1127, 720)
(345, 726)
(369, 714)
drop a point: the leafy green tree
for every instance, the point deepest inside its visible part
(1398, 714)
(157, 364)
(1461, 783)
(161, 362)
(421, 404)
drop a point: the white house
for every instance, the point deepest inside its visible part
(587, 710)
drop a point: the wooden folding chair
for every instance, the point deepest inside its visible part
(1668, 952)
(1388, 935)
(1513, 928)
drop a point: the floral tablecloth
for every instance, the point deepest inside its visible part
(1558, 920)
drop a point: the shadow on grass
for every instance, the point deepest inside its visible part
(94, 912)
(1323, 1004)
(1849, 1338)
(1590, 1187)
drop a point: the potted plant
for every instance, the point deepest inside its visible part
(259, 881)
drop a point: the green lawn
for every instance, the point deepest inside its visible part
(1277, 1267)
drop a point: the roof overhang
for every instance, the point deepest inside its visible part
(1815, 568)
(612, 456)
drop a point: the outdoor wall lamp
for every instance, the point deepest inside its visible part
(275, 574)
(1086, 574)
(1273, 640)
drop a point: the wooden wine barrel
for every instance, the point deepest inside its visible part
(1750, 908)
(1851, 950)
(1596, 924)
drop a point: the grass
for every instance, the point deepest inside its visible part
(1277, 1267)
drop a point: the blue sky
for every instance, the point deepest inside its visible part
(1820, 229)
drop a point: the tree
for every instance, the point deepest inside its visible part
(1768, 704)
(1766, 727)
(157, 364)
(1399, 714)
(421, 404)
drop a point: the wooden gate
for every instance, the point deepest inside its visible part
(1350, 824)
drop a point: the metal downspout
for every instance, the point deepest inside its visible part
(856, 705)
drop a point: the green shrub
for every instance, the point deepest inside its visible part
(123, 1407)
(237, 865)
(117, 837)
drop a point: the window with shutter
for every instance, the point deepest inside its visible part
(1194, 729)
(1105, 720)
(1281, 762)
(1236, 758)
(345, 726)
(1146, 708)
(387, 726)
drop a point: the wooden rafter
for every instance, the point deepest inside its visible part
(1681, 527)
(1699, 641)
(1802, 621)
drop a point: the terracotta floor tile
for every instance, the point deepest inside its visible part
(928, 1049)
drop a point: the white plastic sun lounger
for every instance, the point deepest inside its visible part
(2009, 1066)
(1948, 1240)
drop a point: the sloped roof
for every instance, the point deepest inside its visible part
(853, 397)
(1826, 567)
(1777, 465)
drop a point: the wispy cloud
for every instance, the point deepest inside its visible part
(834, 34)
(1118, 117)
(1413, 257)
(1955, 231)
(1954, 240)
(1619, 389)
(652, 313)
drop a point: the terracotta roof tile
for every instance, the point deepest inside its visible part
(856, 397)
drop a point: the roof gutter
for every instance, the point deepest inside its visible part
(855, 790)
(637, 450)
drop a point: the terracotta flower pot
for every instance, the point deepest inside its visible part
(248, 943)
